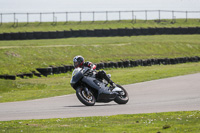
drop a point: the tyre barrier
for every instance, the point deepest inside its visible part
(45, 71)
(100, 33)
(10, 77)
(69, 68)
(75, 33)
(55, 70)
(90, 33)
(67, 34)
(20, 75)
(7, 36)
(58, 70)
(15, 36)
(121, 32)
(36, 74)
(129, 32)
(30, 75)
(60, 34)
(120, 64)
(52, 35)
(30, 35)
(83, 33)
(115, 65)
(144, 31)
(37, 35)
(114, 32)
(152, 31)
(62, 69)
(22, 35)
(45, 35)
(105, 65)
(1, 36)
(137, 31)
(159, 31)
(123, 64)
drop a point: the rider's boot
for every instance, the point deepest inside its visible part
(114, 87)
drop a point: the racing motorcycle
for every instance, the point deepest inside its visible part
(90, 90)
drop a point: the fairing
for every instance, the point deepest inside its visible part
(104, 95)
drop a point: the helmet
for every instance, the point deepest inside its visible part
(78, 61)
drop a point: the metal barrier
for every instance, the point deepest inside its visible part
(80, 16)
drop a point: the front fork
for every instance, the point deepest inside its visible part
(86, 90)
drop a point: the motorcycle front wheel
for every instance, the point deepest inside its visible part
(122, 98)
(87, 98)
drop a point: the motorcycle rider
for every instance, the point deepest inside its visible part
(79, 62)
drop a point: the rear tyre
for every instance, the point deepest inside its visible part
(86, 99)
(122, 98)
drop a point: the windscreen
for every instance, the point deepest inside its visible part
(76, 71)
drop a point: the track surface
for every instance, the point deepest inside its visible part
(180, 93)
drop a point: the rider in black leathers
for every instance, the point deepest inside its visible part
(79, 62)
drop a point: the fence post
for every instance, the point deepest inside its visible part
(17, 23)
(27, 18)
(1, 19)
(53, 17)
(132, 16)
(135, 19)
(159, 15)
(186, 16)
(106, 15)
(80, 16)
(40, 17)
(66, 17)
(173, 16)
(119, 15)
(93, 16)
(146, 15)
(199, 17)
(14, 18)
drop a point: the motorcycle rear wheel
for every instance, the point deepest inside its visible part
(122, 99)
(88, 100)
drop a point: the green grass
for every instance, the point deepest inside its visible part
(34, 88)
(170, 122)
(60, 26)
(27, 55)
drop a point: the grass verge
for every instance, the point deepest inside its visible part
(61, 26)
(55, 85)
(170, 122)
(27, 55)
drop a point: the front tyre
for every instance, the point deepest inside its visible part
(122, 97)
(87, 99)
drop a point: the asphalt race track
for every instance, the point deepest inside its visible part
(180, 93)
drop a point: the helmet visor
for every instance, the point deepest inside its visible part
(76, 64)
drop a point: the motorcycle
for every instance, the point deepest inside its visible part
(90, 90)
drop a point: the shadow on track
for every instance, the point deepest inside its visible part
(91, 106)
